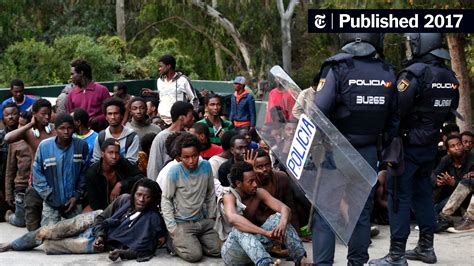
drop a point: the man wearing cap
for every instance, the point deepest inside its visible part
(58, 172)
(428, 98)
(242, 112)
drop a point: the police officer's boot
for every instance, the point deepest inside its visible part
(424, 251)
(395, 256)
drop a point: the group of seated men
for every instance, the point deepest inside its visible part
(133, 186)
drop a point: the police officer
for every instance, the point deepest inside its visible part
(429, 96)
(357, 92)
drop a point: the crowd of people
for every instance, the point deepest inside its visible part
(168, 168)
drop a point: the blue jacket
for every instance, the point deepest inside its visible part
(244, 111)
(58, 174)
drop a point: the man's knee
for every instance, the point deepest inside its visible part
(190, 254)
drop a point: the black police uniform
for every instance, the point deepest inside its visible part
(428, 96)
(359, 96)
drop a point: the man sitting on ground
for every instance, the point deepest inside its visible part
(467, 140)
(81, 123)
(114, 110)
(201, 131)
(238, 147)
(131, 227)
(248, 241)
(110, 177)
(140, 122)
(188, 203)
(217, 126)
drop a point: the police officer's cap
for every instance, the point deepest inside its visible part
(424, 43)
(361, 44)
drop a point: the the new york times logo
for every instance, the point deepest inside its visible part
(399, 20)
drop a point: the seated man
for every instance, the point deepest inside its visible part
(247, 242)
(131, 227)
(110, 177)
(450, 170)
(188, 203)
(201, 131)
(467, 140)
(462, 191)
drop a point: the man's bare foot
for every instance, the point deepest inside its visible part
(277, 262)
(5, 247)
(305, 262)
(114, 255)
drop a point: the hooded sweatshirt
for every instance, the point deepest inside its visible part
(130, 153)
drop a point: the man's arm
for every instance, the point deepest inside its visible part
(238, 221)
(193, 99)
(407, 90)
(393, 120)
(96, 154)
(81, 182)
(167, 206)
(153, 167)
(253, 115)
(211, 203)
(40, 184)
(325, 98)
(232, 108)
(440, 168)
(298, 107)
(19, 133)
(10, 174)
(132, 151)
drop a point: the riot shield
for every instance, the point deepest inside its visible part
(334, 176)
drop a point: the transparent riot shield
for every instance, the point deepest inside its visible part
(332, 174)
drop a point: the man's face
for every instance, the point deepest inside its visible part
(164, 69)
(43, 116)
(249, 184)
(290, 130)
(138, 109)
(238, 86)
(76, 77)
(455, 148)
(142, 198)
(238, 149)
(189, 157)
(188, 119)
(244, 132)
(263, 145)
(214, 106)
(11, 116)
(467, 142)
(201, 137)
(65, 131)
(263, 167)
(113, 115)
(111, 155)
(18, 93)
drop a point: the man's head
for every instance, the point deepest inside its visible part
(420, 44)
(147, 141)
(361, 44)
(467, 139)
(449, 129)
(244, 131)
(243, 177)
(239, 83)
(120, 89)
(42, 111)
(226, 138)
(11, 114)
(171, 145)
(188, 148)
(182, 112)
(25, 118)
(114, 110)
(290, 129)
(81, 118)
(110, 152)
(152, 107)
(201, 131)
(138, 109)
(17, 89)
(145, 194)
(213, 104)
(166, 63)
(454, 146)
(64, 126)
(263, 165)
(238, 147)
(80, 71)
(263, 145)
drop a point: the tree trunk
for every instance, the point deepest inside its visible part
(458, 62)
(234, 33)
(285, 21)
(219, 62)
(120, 16)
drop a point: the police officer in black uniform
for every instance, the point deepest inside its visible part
(428, 97)
(357, 92)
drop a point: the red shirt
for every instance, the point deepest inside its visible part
(90, 99)
(213, 150)
(284, 99)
